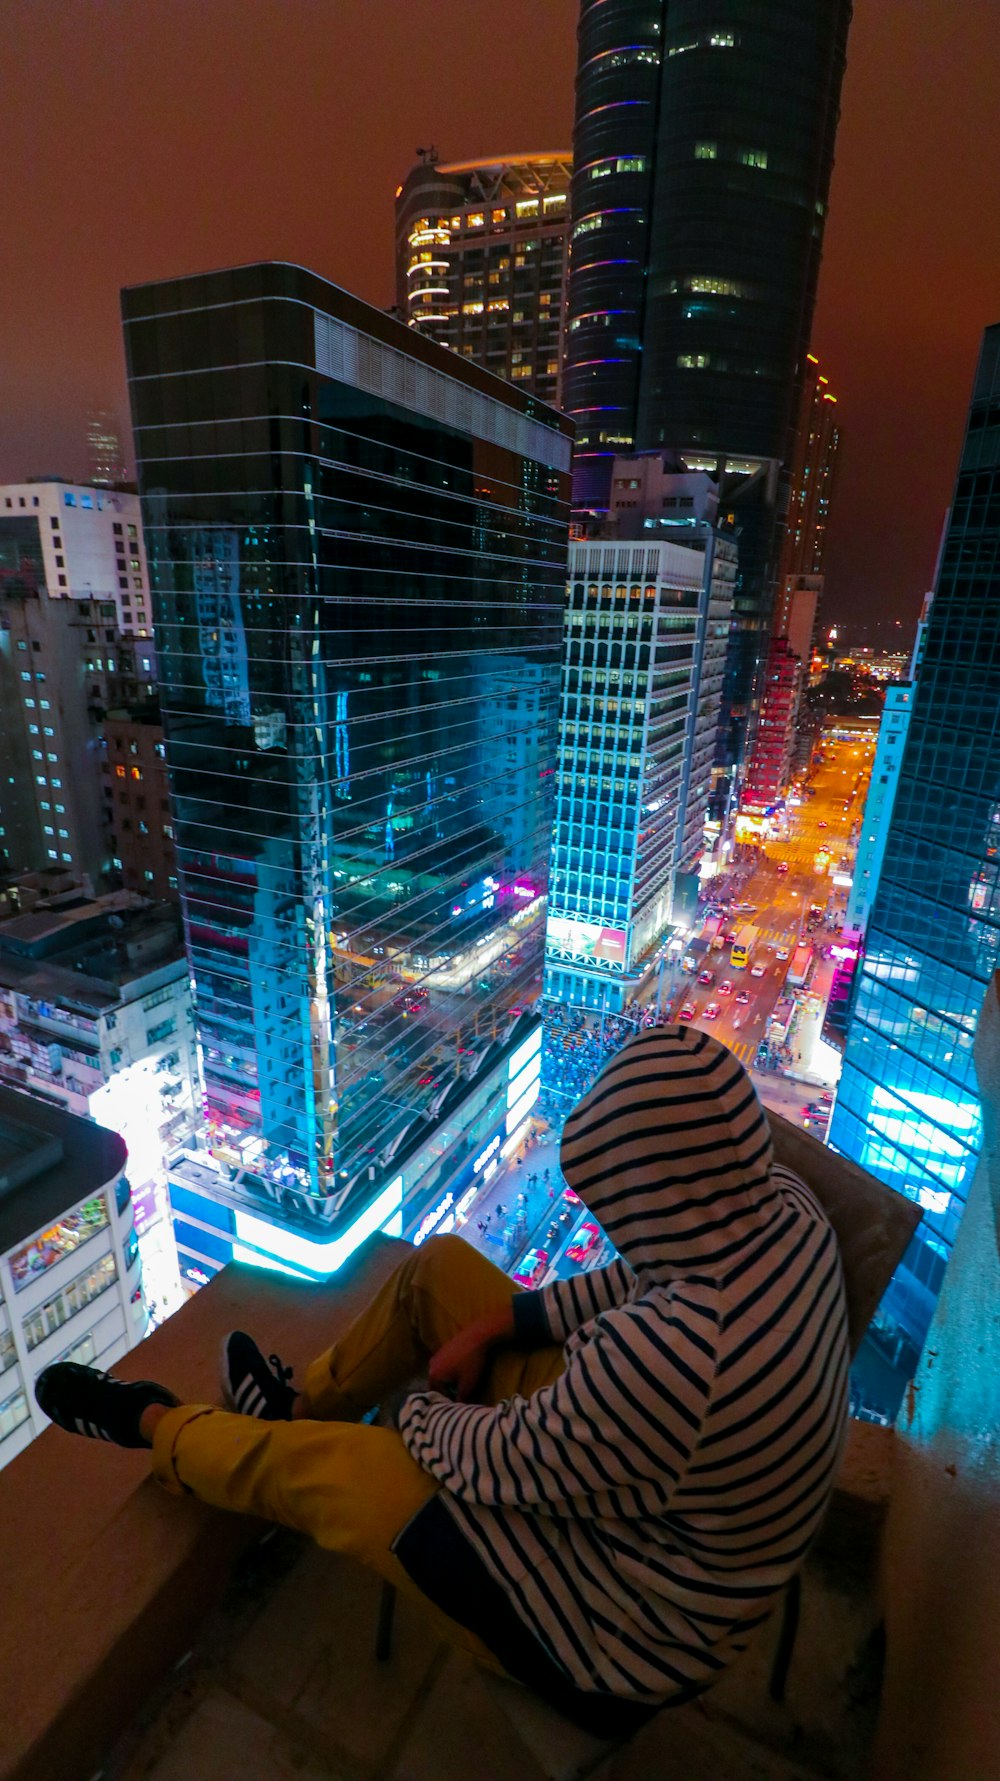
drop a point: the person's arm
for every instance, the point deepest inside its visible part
(555, 1311)
(623, 1418)
(459, 1365)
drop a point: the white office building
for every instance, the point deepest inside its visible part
(646, 631)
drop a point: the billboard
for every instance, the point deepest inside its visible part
(588, 941)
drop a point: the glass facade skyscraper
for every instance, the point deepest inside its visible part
(703, 150)
(357, 546)
(907, 1109)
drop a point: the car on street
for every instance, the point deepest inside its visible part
(782, 953)
(570, 1197)
(782, 865)
(707, 978)
(759, 970)
(822, 825)
(531, 1269)
(742, 997)
(687, 1012)
(826, 1098)
(584, 1243)
(725, 987)
(730, 938)
(712, 1011)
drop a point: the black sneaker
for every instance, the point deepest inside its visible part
(84, 1401)
(253, 1386)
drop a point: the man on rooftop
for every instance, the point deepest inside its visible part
(606, 1483)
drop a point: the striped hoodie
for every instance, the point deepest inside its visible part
(642, 1512)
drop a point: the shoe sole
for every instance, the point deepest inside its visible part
(228, 1402)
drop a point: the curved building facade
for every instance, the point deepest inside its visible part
(481, 262)
(614, 141)
(703, 150)
(749, 104)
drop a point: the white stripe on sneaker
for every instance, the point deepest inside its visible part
(244, 1395)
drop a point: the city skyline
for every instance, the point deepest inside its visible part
(894, 204)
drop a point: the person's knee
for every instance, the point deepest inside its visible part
(442, 1258)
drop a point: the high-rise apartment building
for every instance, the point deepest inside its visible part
(358, 551)
(770, 763)
(907, 1109)
(481, 262)
(70, 1274)
(799, 591)
(104, 451)
(646, 630)
(702, 150)
(75, 630)
(813, 471)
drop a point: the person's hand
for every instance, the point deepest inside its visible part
(459, 1365)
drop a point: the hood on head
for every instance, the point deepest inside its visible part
(671, 1150)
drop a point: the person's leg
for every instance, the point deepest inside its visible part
(351, 1487)
(436, 1291)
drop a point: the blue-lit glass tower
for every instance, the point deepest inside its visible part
(907, 1109)
(358, 558)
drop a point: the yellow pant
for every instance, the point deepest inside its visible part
(348, 1484)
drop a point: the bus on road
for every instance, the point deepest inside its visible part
(743, 946)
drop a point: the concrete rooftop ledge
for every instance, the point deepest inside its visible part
(110, 1584)
(106, 1578)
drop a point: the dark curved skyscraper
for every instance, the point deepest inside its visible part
(703, 150)
(614, 141)
(749, 103)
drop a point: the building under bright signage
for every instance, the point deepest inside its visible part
(70, 1274)
(358, 581)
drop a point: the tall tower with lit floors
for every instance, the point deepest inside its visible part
(702, 155)
(358, 552)
(907, 1108)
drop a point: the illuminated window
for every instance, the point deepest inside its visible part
(527, 207)
(476, 219)
(706, 151)
(136, 772)
(716, 287)
(556, 201)
(693, 361)
(472, 308)
(498, 216)
(588, 225)
(753, 157)
(120, 772)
